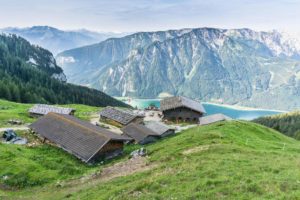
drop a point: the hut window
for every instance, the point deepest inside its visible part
(195, 119)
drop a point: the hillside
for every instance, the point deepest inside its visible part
(232, 66)
(29, 74)
(288, 123)
(227, 160)
(19, 111)
(59, 40)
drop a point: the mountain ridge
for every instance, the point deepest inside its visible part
(233, 66)
(57, 40)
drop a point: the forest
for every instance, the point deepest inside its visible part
(287, 123)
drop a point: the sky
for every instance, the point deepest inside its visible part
(151, 15)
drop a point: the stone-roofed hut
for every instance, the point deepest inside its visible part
(181, 109)
(213, 118)
(81, 139)
(119, 117)
(39, 110)
(140, 133)
(160, 128)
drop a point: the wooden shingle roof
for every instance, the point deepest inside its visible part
(124, 117)
(180, 101)
(213, 118)
(158, 127)
(78, 137)
(43, 109)
(138, 132)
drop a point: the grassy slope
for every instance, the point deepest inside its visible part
(11, 110)
(34, 166)
(244, 161)
(39, 165)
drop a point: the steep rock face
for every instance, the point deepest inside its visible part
(245, 67)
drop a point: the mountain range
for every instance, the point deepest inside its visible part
(57, 40)
(232, 66)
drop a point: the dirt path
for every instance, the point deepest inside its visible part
(199, 149)
(124, 168)
(128, 167)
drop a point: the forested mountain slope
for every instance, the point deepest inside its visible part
(29, 74)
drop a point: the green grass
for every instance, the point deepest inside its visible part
(244, 161)
(10, 110)
(33, 166)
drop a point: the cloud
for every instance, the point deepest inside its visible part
(138, 15)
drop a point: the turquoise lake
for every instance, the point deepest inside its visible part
(235, 113)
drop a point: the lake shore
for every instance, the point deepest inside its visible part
(236, 107)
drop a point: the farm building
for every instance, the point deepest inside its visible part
(43, 109)
(181, 109)
(81, 139)
(119, 117)
(140, 133)
(160, 128)
(213, 118)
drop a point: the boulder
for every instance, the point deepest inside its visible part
(138, 152)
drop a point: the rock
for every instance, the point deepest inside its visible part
(19, 140)
(59, 184)
(15, 122)
(138, 152)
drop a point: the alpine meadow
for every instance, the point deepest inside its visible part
(149, 99)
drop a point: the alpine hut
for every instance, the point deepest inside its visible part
(140, 133)
(160, 128)
(181, 109)
(85, 141)
(119, 117)
(213, 119)
(39, 110)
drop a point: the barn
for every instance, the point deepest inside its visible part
(87, 142)
(119, 117)
(39, 110)
(140, 133)
(160, 129)
(181, 109)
